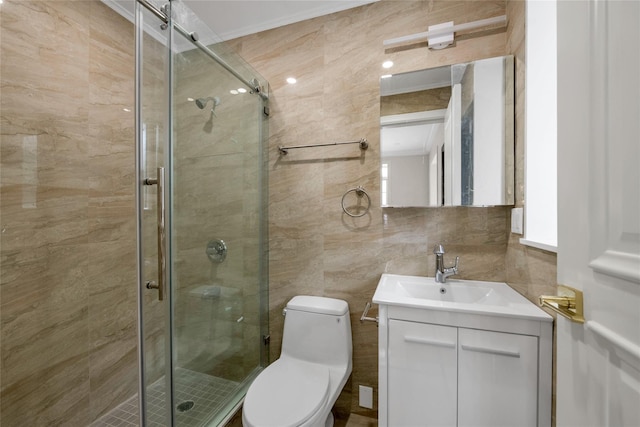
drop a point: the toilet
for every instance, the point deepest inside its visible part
(300, 388)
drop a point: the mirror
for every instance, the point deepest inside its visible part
(446, 135)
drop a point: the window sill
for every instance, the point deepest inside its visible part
(539, 245)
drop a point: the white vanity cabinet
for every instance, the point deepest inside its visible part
(439, 368)
(422, 368)
(497, 379)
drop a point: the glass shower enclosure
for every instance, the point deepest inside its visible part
(202, 244)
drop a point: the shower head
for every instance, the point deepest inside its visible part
(202, 102)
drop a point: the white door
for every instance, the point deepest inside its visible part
(598, 370)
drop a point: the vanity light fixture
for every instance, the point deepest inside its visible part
(443, 40)
(442, 35)
(291, 80)
(387, 64)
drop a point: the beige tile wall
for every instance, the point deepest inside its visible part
(67, 249)
(424, 100)
(314, 247)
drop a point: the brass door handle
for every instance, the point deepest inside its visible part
(561, 301)
(568, 303)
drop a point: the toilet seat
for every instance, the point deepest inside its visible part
(286, 394)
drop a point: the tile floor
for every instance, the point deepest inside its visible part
(206, 392)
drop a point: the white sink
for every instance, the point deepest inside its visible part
(461, 342)
(456, 295)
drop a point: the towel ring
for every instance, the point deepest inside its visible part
(359, 190)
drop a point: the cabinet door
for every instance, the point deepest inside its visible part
(422, 374)
(498, 379)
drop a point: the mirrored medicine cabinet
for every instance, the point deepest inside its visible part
(447, 135)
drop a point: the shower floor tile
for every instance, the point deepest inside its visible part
(206, 392)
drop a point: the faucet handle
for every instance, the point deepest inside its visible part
(438, 250)
(455, 267)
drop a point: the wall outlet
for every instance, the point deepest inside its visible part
(366, 397)
(516, 220)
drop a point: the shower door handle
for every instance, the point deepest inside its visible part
(160, 285)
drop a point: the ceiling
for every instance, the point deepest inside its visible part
(412, 139)
(235, 18)
(415, 81)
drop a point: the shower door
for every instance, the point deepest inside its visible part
(203, 222)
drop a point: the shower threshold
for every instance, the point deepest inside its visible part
(197, 398)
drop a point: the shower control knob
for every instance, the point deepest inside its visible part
(216, 250)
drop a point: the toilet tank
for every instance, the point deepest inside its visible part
(317, 329)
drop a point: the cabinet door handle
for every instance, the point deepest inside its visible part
(491, 351)
(417, 340)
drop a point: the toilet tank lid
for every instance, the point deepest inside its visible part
(322, 305)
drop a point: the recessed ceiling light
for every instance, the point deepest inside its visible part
(233, 92)
(387, 64)
(242, 90)
(291, 80)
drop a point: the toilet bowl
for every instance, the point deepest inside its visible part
(300, 388)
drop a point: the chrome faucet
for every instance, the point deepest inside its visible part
(443, 272)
